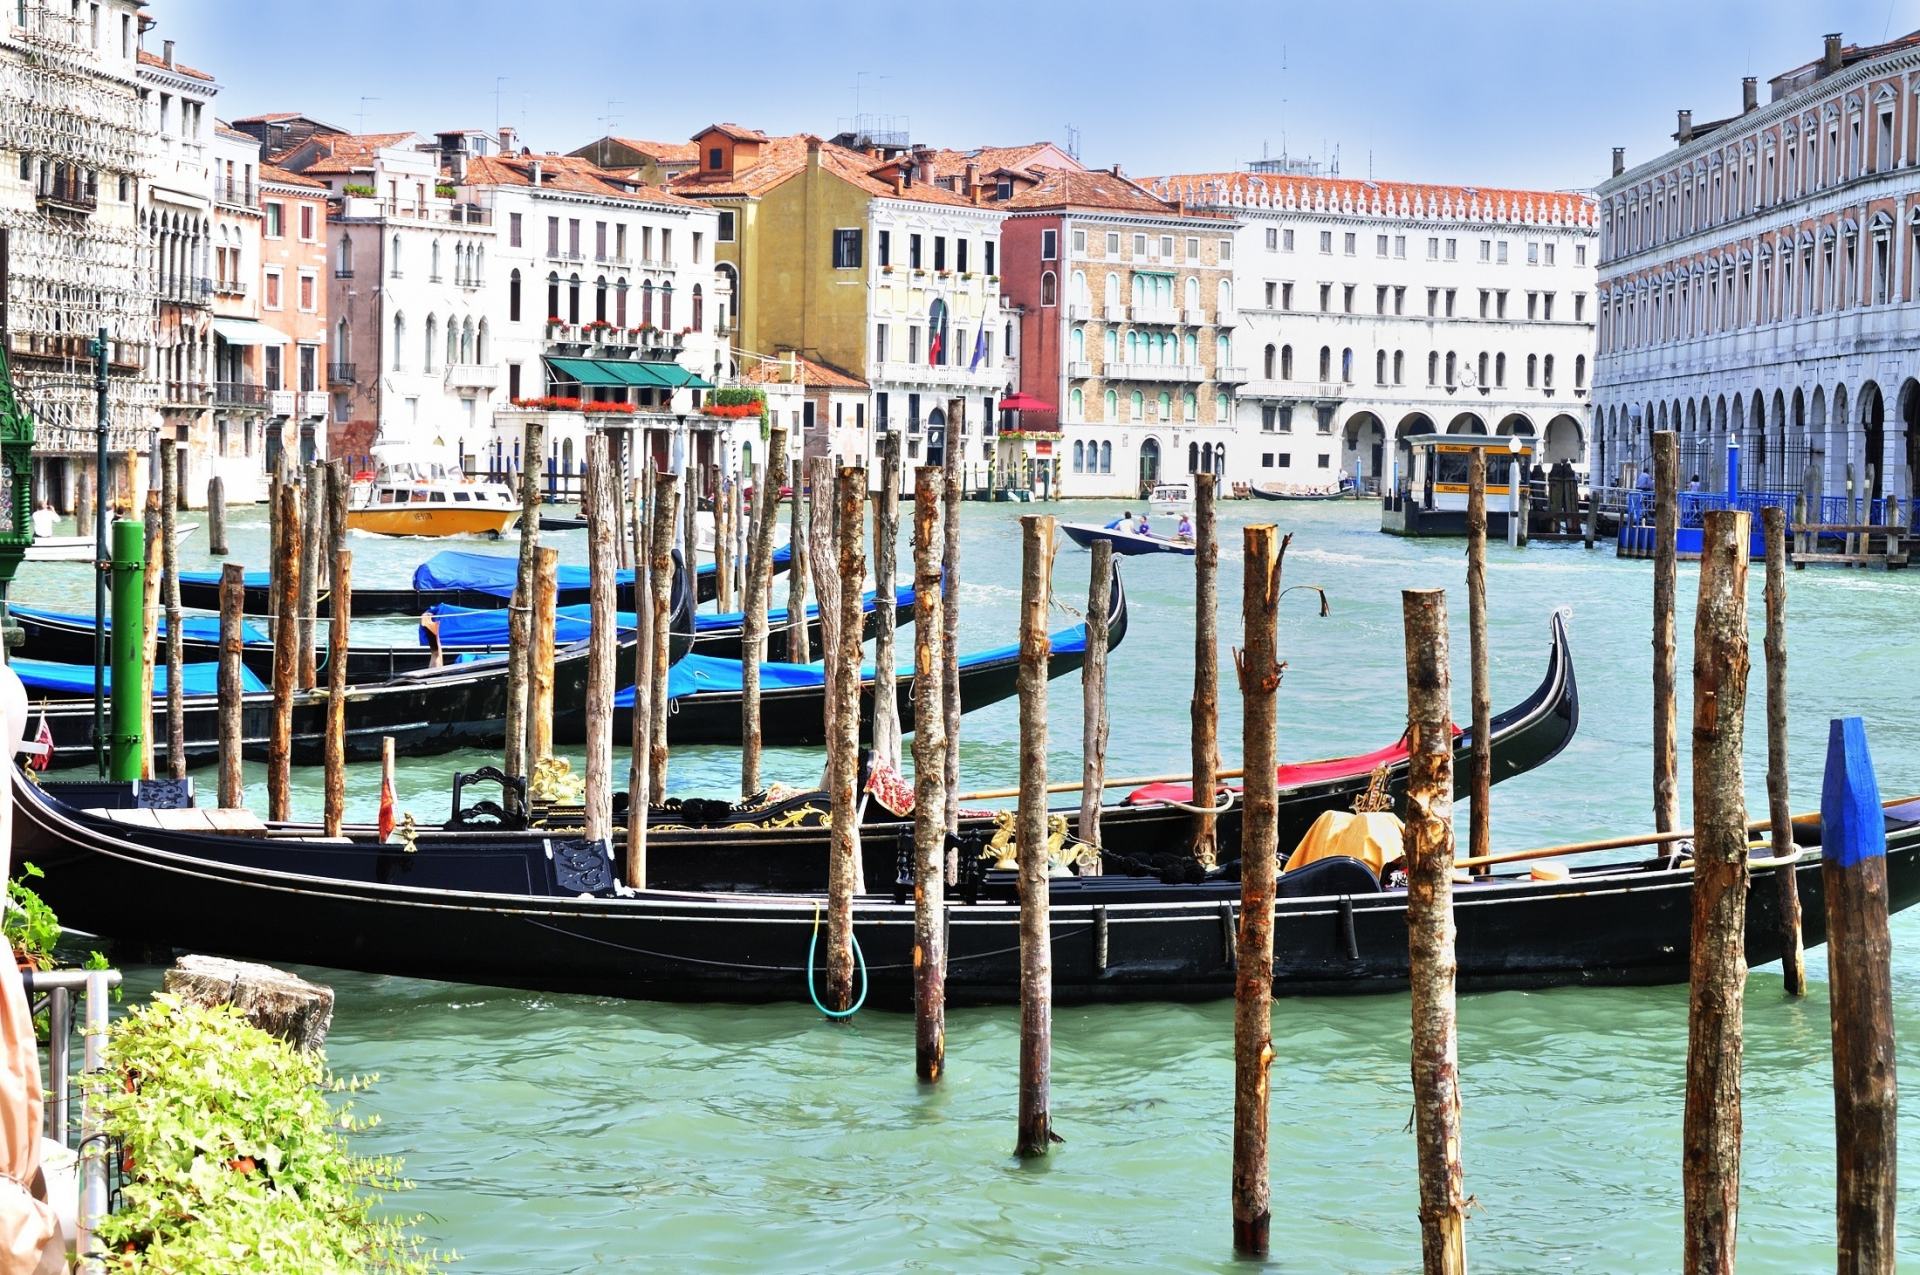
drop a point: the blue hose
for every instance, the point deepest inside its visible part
(813, 945)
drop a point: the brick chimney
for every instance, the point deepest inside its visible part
(537, 172)
(1749, 94)
(1683, 130)
(1619, 160)
(973, 181)
(898, 183)
(1118, 173)
(166, 51)
(1829, 53)
(506, 139)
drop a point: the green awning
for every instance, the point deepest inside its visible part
(676, 377)
(586, 371)
(640, 374)
(1158, 274)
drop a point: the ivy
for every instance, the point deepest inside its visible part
(236, 1161)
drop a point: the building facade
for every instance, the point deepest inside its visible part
(293, 290)
(1127, 335)
(236, 451)
(1370, 311)
(1759, 284)
(74, 141)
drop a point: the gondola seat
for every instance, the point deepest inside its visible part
(1336, 874)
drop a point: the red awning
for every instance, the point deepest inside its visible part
(1023, 402)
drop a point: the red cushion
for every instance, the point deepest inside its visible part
(1293, 775)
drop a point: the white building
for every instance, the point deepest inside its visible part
(74, 140)
(1372, 310)
(1759, 285)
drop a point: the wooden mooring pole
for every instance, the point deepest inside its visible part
(1480, 758)
(313, 518)
(170, 574)
(722, 539)
(519, 621)
(1093, 696)
(1793, 953)
(1666, 524)
(843, 733)
(1853, 877)
(1030, 822)
(886, 541)
(660, 576)
(1710, 1136)
(339, 641)
(603, 637)
(1430, 933)
(151, 613)
(930, 794)
(286, 650)
(233, 602)
(759, 582)
(799, 638)
(1259, 866)
(1205, 709)
(950, 600)
(540, 636)
(640, 724)
(216, 517)
(823, 532)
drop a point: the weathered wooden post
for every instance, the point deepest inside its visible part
(338, 642)
(1710, 1137)
(1666, 525)
(1853, 876)
(151, 614)
(546, 584)
(1259, 866)
(216, 517)
(930, 794)
(519, 621)
(233, 599)
(950, 599)
(170, 571)
(1480, 759)
(799, 639)
(1030, 822)
(886, 542)
(759, 581)
(723, 500)
(1593, 510)
(312, 567)
(1793, 955)
(823, 558)
(1093, 694)
(660, 579)
(640, 730)
(603, 638)
(843, 734)
(1430, 932)
(286, 652)
(1206, 666)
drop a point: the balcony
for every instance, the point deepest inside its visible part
(240, 193)
(230, 287)
(68, 194)
(473, 377)
(1079, 367)
(343, 272)
(342, 374)
(1182, 372)
(1079, 310)
(434, 209)
(313, 404)
(1194, 317)
(1229, 375)
(1114, 312)
(281, 403)
(1155, 313)
(953, 374)
(194, 290)
(185, 394)
(1226, 317)
(244, 395)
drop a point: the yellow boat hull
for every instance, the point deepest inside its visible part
(431, 520)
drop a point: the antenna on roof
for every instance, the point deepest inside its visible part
(498, 80)
(608, 119)
(1073, 142)
(361, 127)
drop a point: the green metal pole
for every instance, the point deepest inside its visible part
(130, 715)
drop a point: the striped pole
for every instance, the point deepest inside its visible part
(1853, 877)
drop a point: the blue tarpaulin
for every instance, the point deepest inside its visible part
(196, 628)
(496, 573)
(468, 626)
(68, 680)
(254, 579)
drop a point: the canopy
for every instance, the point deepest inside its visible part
(246, 332)
(587, 371)
(196, 628)
(65, 680)
(1023, 402)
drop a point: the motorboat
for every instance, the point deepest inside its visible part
(418, 491)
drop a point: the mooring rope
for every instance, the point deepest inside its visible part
(812, 944)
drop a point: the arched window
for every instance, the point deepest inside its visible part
(1079, 457)
(433, 339)
(1380, 367)
(1453, 368)
(1113, 294)
(600, 299)
(1346, 366)
(1077, 404)
(393, 258)
(620, 301)
(646, 304)
(1481, 369)
(1106, 458)
(342, 346)
(345, 266)
(1399, 367)
(1533, 370)
(477, 266)
(1077, 344)
(573, 298)
(1193, 296)
(1500, 369)
(1433, 367)
(1080, 287)
(553, 297)
(1193, 350)
(1133, 345)
(399, 342)
(453, 342)
(1113, 345)
(1222, 407)
(1048, 286)
(1222, 352)
(1269, 361)
(466, 342)
(480, 343)
(1166, 405)
(1326, 363)
(699, 315)
(513, 296)
(666, 306)
(1226, 298)
(1286, 362)
(1193, 458)
(433, 268)
(1190, 406)
(1112, 405)
(1546, 372)
(1138, 404)
(1579, 371)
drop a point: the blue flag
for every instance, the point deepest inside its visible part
(979, 346)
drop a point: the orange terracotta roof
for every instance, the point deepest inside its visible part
(987, 159)
(662, 152)
(1349, 194)
(352, 152)
(180, 68)
(1099, 189)
(567, 173)
(782, 158)
(737, 131)
(281, 177)
(813, 374)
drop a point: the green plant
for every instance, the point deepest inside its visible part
(236, 1159)
(358, 188)
(444, 190)
(741, 397)
(30, 925)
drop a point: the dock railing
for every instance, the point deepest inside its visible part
(57, 987)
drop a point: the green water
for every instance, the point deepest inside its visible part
(557, 1133)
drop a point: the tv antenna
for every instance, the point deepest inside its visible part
(498, 81)
(361, 118)
(608, 120)
(1073, 142)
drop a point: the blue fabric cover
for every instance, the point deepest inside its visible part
(61, 680)
(695, 674)
(466, 626)
(196, 628)
(902, 600)
(496, 573)
(253, 579)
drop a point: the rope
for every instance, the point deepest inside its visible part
(1226, 803)
(812, 944)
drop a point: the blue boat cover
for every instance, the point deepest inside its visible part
(496, 573)
(197, 628)
(64, 680)
(695, 674)
(467, 626)
(254, 579)
(902, 600)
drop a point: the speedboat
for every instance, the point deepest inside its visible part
(1131, 543)
(415, 491)
(1170, 498)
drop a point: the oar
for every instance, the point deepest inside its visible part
(1074, 785)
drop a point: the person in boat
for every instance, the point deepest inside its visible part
(1120, 523)
(44, 520)
(1143, 527)
(1185, 530)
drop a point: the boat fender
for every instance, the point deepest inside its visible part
(903, 868)
(1100, 939)
(1228, 952)
(1349, 932)
(1550, 870)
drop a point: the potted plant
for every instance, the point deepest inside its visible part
(30, 925)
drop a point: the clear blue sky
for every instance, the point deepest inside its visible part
(1492, 92)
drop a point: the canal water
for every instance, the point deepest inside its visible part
(572, 1133)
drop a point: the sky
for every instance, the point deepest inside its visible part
(1518, 93)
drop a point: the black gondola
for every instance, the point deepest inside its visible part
(1262, 493)
(545, 913)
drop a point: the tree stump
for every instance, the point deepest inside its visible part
(275, 1001)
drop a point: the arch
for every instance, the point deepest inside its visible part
(1906, 449)
(1112, 293)
(699, 310)
(1515, 423)
(1286, 362)
(1077, 404)
(399, 341)
(433, 339)
(1049, 289)
(1077, 344)
(480, 343)
(1563, 440)
(1269, 361)
(1467, 423)
(1873, 440)
(1079, 456)
(1149, 460)
(513, 295)
(1363, 438)
(1079, 286)
(666, 306)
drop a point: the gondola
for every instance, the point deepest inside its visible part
(542, 912)
(452, 578)
(425, 712)
(706, 692)
(1129, 543)
(1263, 493)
